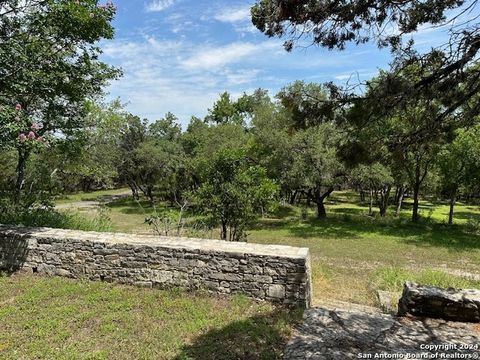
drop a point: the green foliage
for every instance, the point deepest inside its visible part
(459, 162)
(152, 158)
(377, 180)
(373, 176)
(304, 104)
(46, 216)
(49, 69)
(227, 111)
(224, 111)
(233, 192)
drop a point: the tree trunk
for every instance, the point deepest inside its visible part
(384, 197)
(416, 191)
(134, 189)
(401, 194)
(293, 197)
(370, 203)
(148, 193)
(223, 231)
(321, 212)
(319, 199)
(21, 166)
(309, 198)
(453, 199)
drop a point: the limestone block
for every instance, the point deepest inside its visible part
(448, 304)
(276, 291)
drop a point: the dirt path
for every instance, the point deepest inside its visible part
(92, 204)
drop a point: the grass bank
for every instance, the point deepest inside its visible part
(58, 318)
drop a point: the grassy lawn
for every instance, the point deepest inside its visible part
(353, 254)
(58, 318)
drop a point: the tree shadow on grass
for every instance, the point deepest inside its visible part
(350, 211)
(466, 215)
(425, 233)
(456, 237)
(258, 337)
(324, 229)
(284, 211)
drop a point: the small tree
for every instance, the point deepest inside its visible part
(377, 180)
(234, 191)
(459, 165)
(316, 164)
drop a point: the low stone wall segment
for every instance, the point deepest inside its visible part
(280, 274)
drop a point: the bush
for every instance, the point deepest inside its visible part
(47, 216)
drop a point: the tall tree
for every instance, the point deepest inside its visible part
(225, 111)
(49, 67)
(448, 73)
(316, 164)
(133, 134)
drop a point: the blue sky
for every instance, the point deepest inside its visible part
(179, 55)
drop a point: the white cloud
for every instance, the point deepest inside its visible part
(220, 56)
(168, 78)
(185, 76)
(233, 15)
(158, 5)
(343, 77)
(238, 17)
(355, 75)
(243, 76)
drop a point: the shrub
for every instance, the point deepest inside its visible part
(47, 216)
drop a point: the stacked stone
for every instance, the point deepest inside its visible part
(448, 304)
(279, 274)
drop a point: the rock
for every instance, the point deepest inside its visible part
(449, 304)
(385, 298)
(276, 291)
(63, 272)
(337, 334)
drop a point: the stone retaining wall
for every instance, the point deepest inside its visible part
(280, 274)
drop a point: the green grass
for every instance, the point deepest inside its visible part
(349, 247)
(57, 318)
(392, 279)
(346, 249)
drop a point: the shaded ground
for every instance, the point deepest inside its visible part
(329, 334)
